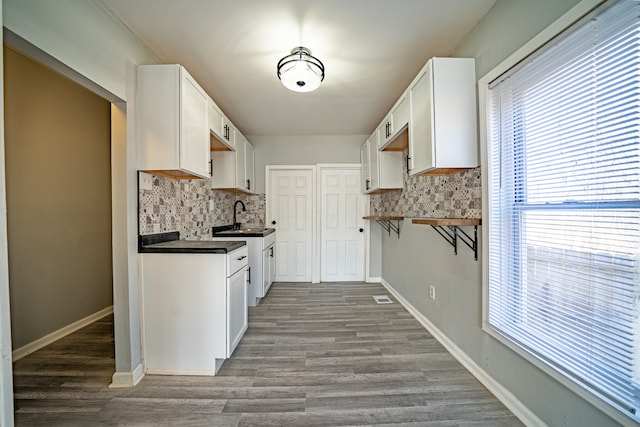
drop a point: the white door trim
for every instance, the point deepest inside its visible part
(315, 269)
(318, 202)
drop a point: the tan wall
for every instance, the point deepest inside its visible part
(57, 146)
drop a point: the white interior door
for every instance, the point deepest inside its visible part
(341, 225)
(290, 209)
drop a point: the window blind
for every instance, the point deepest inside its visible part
(564, 204)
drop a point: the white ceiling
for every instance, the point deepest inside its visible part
(371, 50)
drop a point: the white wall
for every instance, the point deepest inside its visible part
(83, 35)
(6, 373)
(303, 150)
(83, 41)
(421, 257)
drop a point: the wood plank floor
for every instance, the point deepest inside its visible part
(314, 355)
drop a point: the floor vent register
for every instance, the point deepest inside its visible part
(382, 299)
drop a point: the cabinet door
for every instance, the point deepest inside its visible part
(374, 165)
(240, 162)
(399, 116)
(366, 170)
(421, 151)
(229, 133)
(194, 129)
(249, 166)
(237, 314)
(383, 132)
(272, 268)
(266, 271)
(215, 119)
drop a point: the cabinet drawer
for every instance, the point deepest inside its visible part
(268, 240)
(237, 260)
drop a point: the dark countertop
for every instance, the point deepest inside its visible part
(228, 231)
(170, 243)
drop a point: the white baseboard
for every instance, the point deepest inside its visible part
(127, 379)
(180, 372)
(372, 279)
(36, 345)
(504, 395)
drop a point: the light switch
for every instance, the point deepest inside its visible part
(210, 205)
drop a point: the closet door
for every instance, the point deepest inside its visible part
(341, 225)
(290, 210)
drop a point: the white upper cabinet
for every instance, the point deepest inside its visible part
(234, 170)
(249, 167)
(442, 121)
(172, 122)
(381, 170)
(365, 161)
(395, 122)
(241, 166)
(221, 128)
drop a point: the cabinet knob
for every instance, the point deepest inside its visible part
(361, 230)
(273, 222)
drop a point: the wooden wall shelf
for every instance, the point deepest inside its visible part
(387, 223)
(449, 229)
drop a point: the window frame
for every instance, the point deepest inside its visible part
(561, 24)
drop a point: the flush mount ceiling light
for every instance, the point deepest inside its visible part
(300, 71)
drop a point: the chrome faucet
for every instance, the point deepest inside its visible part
(236, 224)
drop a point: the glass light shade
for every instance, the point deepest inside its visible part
(300, 71)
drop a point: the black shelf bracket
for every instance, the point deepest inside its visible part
(453, 233)
(389, 226)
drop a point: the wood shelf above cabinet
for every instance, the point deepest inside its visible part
(400, 143)
(383, 218)
(449, 229)
(447, 221)
(216, 145)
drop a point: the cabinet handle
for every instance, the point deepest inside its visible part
(211, 167)
(248, 184)
(271, 254)
(226, 132)
(367, 187)
(249, 277)
(408, 169)
(242, 257)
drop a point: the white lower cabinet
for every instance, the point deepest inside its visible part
(268, 267)
(237, 315)
(194, 310)
(261, 264)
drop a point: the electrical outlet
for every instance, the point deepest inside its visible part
(146, 181)
(432, 292)
(211, 205)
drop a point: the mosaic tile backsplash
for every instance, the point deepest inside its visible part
(183, 205)
(458, 195)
